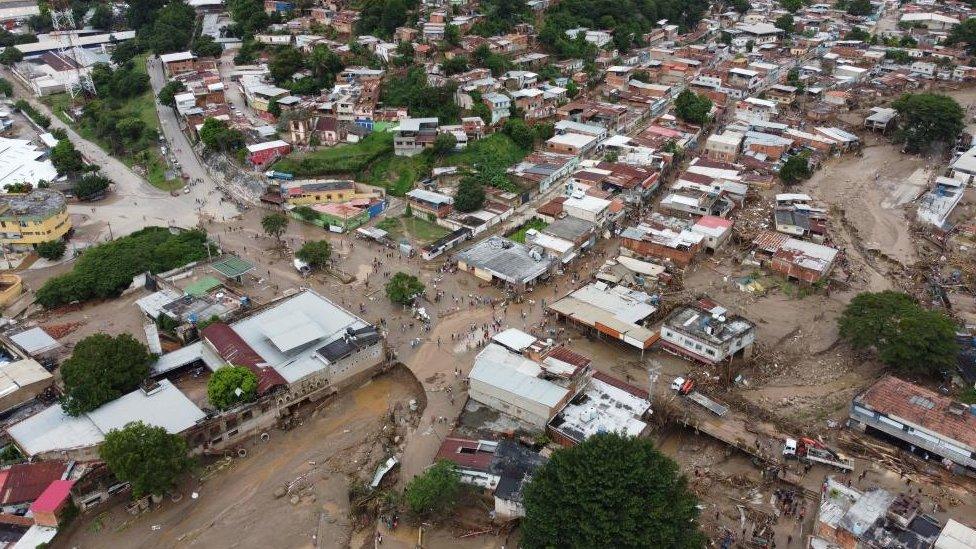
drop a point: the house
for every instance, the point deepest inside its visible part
(28, 219)
(514, 265)
(414, 135)
(503, 468)
(22, 484)
(880, 118)
(260, 155)
(575, 144)
(499, 104)
(724, 147)
(759, 33)
(648, 241)
(525, 389)
(49, 507)
(707, 332)
(616, 312)
(607, 405)
(696, 201)
(922, 420)
(964, 167)
(451, 240)
(430, 204)
(796, 216)
(259, 95)
(715, 230)
(541, 169)
(936, 205)
(177, 63)
(752, 108)
(796, 259)
(588, 208)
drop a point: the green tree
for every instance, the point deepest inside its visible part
(964, 33)
(572, 90)
(90, 185)
(470, 194)
(785, 23)
(123, 52)
(167, 94)
(520, 132)
(610, 491)
(52, 249)
(316, 253)
(218, 136)
(101, 369)
(22, 187)
(435, 491)
(11, 55)
(403, 288)
(692, 108)
(147, 457)
(907, 337)
(306, 213)
(231, 385)
(857, 33)
(285, 63)
(452, 35)
(172, 28)
(741, 6)
(205, 46)
(791, 6)
(860, 7)
(6, 89)
(926, 120)
(102, 17)
(444, 143)
(455, 65)
(794, 170)
(275, 225)
(66, 159)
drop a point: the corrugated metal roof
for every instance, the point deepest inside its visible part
(232, 348)
(24, 482)
(498, 367)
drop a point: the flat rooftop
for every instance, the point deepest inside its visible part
(38, 205)
(715, 326)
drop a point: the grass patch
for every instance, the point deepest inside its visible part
(398, 174)
(497, 149)
(352, 158)
(417, 228)
(150, 160)
(534, 223)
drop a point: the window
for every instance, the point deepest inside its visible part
(710, 352)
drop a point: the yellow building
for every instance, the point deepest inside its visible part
(29, 219)
(323, 191)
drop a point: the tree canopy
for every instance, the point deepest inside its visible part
(217, 135)
(275, 225)
(52, 249)
(785, 23)
(101, 369)
(167, 94)
(435, 491)
(403, 288)
(470, 194)
(860, 7)
(66, 159)
(147, 457)
(231, 385)
(316, 253)
(907, 337)
(610, 491)
(692, 108)
(90, 186)
(795, 169)
(414, 92)
(928, 119)
(964, 33)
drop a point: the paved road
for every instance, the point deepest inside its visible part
(204, 196)
(134, 202)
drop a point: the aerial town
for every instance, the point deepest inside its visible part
(488, 274)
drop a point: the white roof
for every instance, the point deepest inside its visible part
(19, 163)
(966, 162)
(152, 304)
(35, 340)
(498, 367)
(626, 305)
(267, 145)
(607, 410)
(35, 536)
(577, 140)
(587, 203)
(956, 535)
(728, 138)
(549, 242)
(288, 330)
(430, 196)
(54, 42)
(52, 430)
(810, 255)
(514, 339)
(928, 16)
(178, 56)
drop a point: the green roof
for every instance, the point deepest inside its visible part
(203, 286)
(232, 266)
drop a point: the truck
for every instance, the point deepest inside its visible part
(813, 451)
(685, 387)
(279, 175)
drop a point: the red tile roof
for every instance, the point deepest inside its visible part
(52, 497)
(232, 348)
(465, 454)
(24, 482)
(924, 408)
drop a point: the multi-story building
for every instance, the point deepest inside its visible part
(29, 219)
(430, 204)
(707, 332)
(414, 135)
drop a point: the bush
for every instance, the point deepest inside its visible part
(90, 186)
(32, 113)
(435, 491)
(225, 382)
(107, 269)
(52, 249)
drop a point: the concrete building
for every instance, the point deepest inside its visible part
(925, 422)
(663, 243)
(22, 379)
(964, 167)
(429, 204)
(263, 154)
(414, 135)
(576, 144)
(588, 208)
(715, 230)
(22, 162)
(607, 405)
(512, 264)
(177, 63)
(724, 147)
(27, 220)
(796, 259)
(706, 332)
(615, 312)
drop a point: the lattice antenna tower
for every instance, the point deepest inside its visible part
(64, 20)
